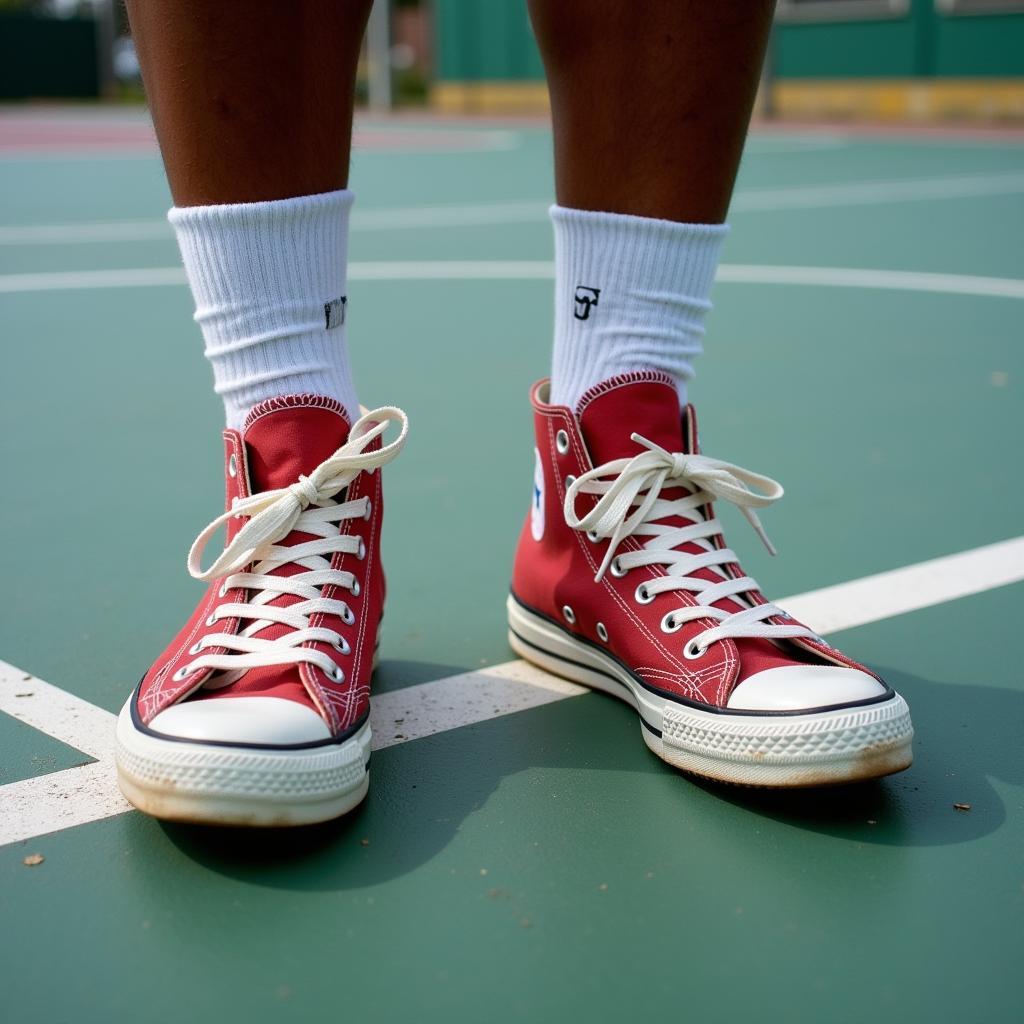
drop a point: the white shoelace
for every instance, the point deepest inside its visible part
(637, 484)
(307, 506)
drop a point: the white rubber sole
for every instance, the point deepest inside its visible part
(222, 785)
(822, 748)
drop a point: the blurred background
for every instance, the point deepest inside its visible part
(871, 60)
(867, 348)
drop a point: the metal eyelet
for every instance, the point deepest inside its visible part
(342, 647)
(182, 672)
(223, 592)
(692, 651)
(616, 569)
(336, 674)
(562, 442)
(361, 550)
(355, 588)
(349, 617)
(602, 633)
(211, 619)
(669, 624)
(196, 647)
(232, 465)
(642, 595)
(570, 615)
(569, 481)
(592, 536)
(369, 509)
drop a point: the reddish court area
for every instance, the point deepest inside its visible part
(63, 130)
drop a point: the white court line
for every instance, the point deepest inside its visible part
(888, 594)
(50, 803)
(100, 231)
(867, 193)
(540, 270)
(428, 708)
(477, 140)
(515, 211)
(36, 807)
(382, 219)
(77, 280)
(56, 712)
(889, 280)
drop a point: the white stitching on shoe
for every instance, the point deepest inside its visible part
(693, 679)
(630, 505)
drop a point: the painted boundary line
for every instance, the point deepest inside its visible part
(76, 796)
(542, 270)
(27, 139)
(515, 211)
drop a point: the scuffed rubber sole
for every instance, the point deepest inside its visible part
(828, 747)
(221, 785)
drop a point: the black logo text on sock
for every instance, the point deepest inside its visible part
(585, 298)
(334, 312)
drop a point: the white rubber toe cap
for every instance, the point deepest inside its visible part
(252, 720)
(795, 687)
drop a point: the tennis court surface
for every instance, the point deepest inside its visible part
(522, 856)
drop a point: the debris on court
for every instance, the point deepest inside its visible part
(961, 807)
(603, 887)
(33, 859)
(364, 842)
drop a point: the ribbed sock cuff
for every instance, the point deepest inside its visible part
(269, 283)
(631, 293)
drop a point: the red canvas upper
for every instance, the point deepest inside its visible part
(559, 568)
(281, 439)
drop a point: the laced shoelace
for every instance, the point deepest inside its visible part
(630, 505)
(306, 506)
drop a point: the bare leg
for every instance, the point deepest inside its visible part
(650, 101)
(252, 100)
(253, 108)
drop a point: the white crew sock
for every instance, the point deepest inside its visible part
(269, 283)
(631, 293)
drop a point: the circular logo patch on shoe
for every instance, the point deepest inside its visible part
(537, 505)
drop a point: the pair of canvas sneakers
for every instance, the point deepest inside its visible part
(258, 711)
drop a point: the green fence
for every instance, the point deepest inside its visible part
(490, 40)
(48, 57)
(919, 42)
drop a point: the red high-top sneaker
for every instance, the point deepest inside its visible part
(623, 582)
(258, 711)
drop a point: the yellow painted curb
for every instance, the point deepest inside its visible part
(965, 99)
(962, 99)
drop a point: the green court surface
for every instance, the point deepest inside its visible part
(540, 865)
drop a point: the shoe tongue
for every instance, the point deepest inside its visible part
(289, 436)
(637, 403)
(284, 437)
